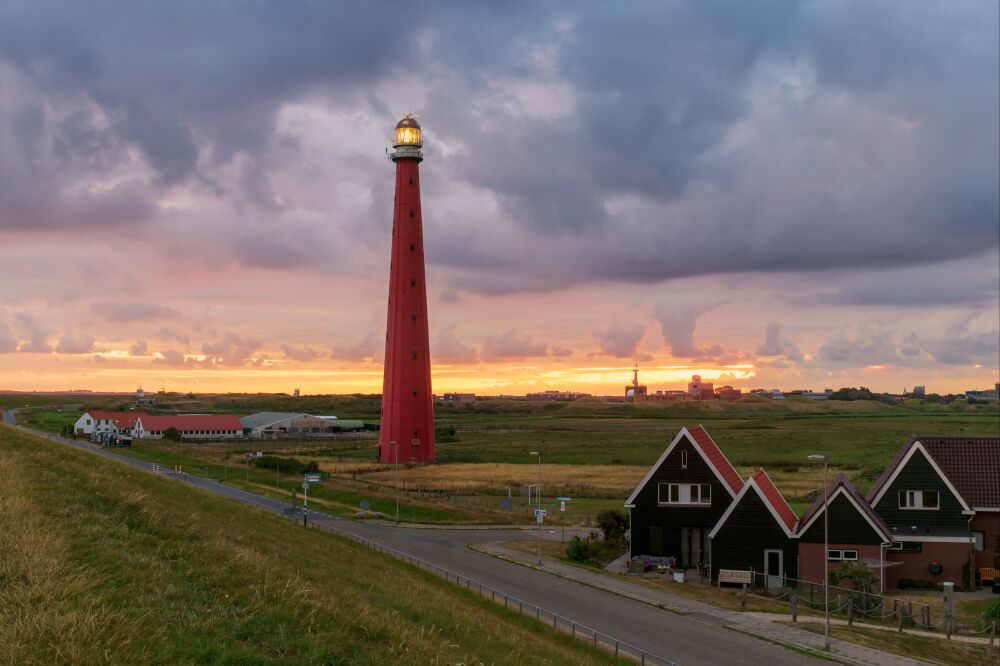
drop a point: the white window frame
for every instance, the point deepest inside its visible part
(835, 557)
(849, 555)
(684, 459)
(685, 493)
(913, 500)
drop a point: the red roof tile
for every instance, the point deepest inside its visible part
(192, 422)
(121, 419)
(716, 457)
(972, 465)
(774, 498)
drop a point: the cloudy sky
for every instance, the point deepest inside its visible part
(791, 194)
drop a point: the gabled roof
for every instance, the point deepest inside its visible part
(192, 422)
(267, 418)
(121, 419)
(761, 483)
(972, 464)
(906, 452)
(712, 455)
(843, 486)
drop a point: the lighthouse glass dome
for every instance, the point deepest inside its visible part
(407, 133)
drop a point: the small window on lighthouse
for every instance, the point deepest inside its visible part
(413, 283)
(412, 247)
(412, 212)
(414, 393)
(413, 355)
(411, 180)
(413, 319)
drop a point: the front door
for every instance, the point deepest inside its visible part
(692, 546)
(774, 568)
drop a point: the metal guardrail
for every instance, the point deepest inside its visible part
(599, 639)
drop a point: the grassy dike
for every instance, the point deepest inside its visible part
(100, 563)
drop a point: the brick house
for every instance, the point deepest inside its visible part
(940, 498)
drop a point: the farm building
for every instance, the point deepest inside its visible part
(273, 425)
(190, 426)
(99, 422)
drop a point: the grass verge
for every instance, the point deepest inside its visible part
(105, 564)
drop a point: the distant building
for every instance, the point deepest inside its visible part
(700, 390)
(100, 422)
(636, 392)
(295, 425)
(728, 394)
(815, 395)
(458, 397)
(919, 391)
(297, 393)
(988, 395)
(557, 395)
(190, 426)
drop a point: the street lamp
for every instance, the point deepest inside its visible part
(395, 445)
(538, 496)
(826, 550)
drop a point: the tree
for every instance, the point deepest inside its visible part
(172, 434)
(614, 525)
(857, 573)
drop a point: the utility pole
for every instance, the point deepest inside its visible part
(826, 550)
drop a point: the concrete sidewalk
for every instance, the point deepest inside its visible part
(760, 625)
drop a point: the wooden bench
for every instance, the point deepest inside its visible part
(734, 576)
(989, 573)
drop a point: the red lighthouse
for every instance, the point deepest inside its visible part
(407, 429)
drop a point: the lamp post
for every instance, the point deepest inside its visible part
(538, 496)
(395, 446)
(826, 550)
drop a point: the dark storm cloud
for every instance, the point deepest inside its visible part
(635, 143)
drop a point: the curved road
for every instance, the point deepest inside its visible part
(683, 639)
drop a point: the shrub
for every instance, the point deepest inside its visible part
(172, 433)
(290, 465)
(613, 524)
(593, 550)
(857, 573)
(911, 584)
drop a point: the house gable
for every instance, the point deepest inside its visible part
(748, 528)
(699, 469)
(917, 471)
(782, 516)
(848, 524)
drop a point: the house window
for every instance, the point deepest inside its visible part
(685, 493)
(684, 459)
(906, 546)
(88, 421)
(839, 554)
(919, 499)
(980, 540)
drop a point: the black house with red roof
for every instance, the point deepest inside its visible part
(681, 499)
(756, 533)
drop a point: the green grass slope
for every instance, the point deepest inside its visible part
(100, 563)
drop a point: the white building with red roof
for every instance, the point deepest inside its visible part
(190, 426)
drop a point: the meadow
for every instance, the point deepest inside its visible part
(106, 564)
(592, 450)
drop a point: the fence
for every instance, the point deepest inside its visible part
(855, 605)
(599, 639)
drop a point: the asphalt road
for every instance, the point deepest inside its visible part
(685, 640)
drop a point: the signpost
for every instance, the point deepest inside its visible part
(540, 515)
(312, 477)
(562, 514)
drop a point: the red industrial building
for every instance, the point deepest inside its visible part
(407, 421)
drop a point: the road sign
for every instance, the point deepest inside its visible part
(365, 505)
(312, 477)
(248, 457)
(540, 515)
(562, 506)
(506, 504)
(564, 499)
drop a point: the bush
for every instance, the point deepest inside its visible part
(857, 573)
(911, 584)
(613, 524)
(172, 433)
(445, 434)
(593, 550)
(290, 465)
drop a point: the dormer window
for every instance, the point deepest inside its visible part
(684, 459)
(925, 500)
